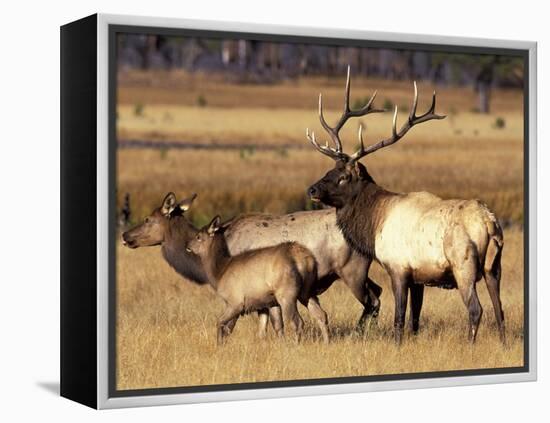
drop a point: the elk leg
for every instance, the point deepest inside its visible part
(463, 257)
(400, 293)
(373, 305)
(276, 318)
(320, 317)
(359, 291)
(263, 317)
(492, 280)
(228, 328)
(417, 297)
(364, 289)
(227, 319)
(291, 315)
(475, 311)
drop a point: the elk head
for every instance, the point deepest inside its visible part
(201, 244)
(152, 231)
(345, 181)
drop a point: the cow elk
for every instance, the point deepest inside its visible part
(418, 238)
(258, 279)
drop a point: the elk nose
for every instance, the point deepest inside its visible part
(312, 191)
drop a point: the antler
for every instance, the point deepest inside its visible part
(396, 136)
(334, 132)
(325, 149)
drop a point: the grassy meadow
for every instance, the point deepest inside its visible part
(166, 325)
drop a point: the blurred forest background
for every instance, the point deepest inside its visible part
(266, 62)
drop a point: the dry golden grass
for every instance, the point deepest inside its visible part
(165, 107)
(166, 326)
(275, 182)
(254, 126)
(181, 88)
(167, 337)
(462, 156)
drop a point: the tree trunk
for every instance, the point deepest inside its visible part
(243, 54)
(484, 81)
(149, 51)
(484, 97)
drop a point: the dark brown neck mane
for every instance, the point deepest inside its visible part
(179, 233)
(360, 218)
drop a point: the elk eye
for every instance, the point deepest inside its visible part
(147, 220)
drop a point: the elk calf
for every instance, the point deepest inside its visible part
(257, 279)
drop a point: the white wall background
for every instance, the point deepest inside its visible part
(29, 213)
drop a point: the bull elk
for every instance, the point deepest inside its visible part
(168, 227)
(258, 279)
(418, 238)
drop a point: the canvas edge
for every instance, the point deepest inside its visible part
(103, 399)
(533, 167)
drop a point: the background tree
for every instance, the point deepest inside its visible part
(483, 72)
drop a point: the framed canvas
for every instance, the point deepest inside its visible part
(213, 248)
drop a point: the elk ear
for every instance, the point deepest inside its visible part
(363, 172)
(214, 226)
(358, 169)
(186, 204)
(169, 204)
